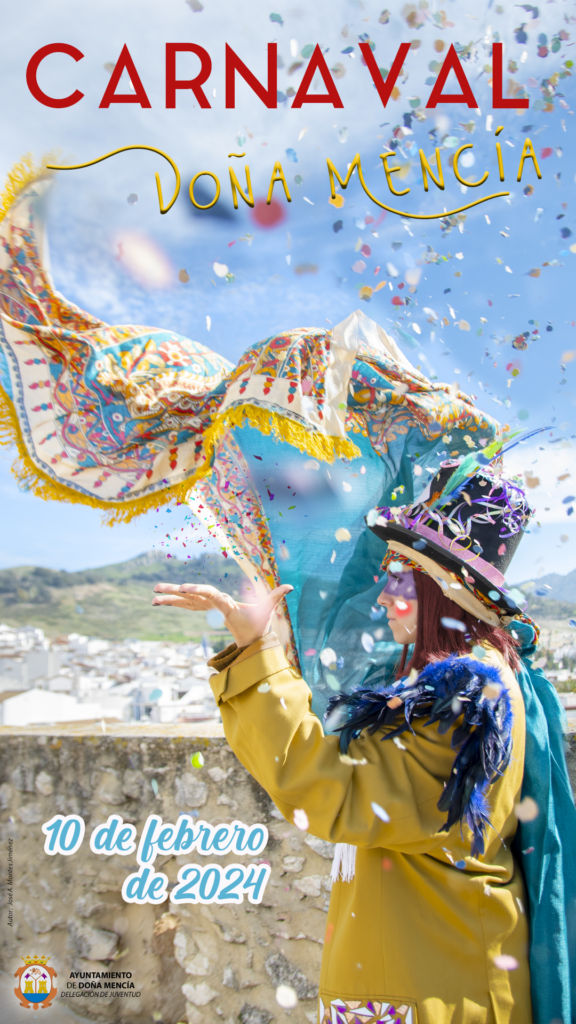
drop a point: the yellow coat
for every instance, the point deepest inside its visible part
(412, 938)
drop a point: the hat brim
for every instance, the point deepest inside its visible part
(448, 560)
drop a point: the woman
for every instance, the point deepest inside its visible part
(430, 925)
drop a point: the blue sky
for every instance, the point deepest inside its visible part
(484, 280)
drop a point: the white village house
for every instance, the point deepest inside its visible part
(76, 678)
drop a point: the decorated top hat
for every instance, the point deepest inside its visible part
(469, 521)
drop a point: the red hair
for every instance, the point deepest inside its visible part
(434, 642)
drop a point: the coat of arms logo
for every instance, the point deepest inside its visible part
(35, 982)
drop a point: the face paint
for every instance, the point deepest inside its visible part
(401, 585)
(402, 608)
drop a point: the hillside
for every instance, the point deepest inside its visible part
(549, 613)
(551, 598)
(562, 588)
(114, 601)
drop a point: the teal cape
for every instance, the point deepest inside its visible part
(546, 846)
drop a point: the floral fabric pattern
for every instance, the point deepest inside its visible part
(367, 1011)
(114, 415)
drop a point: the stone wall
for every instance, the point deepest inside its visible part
(206, 963)
(209, 963)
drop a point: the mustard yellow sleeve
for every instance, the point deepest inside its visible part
(265, 707)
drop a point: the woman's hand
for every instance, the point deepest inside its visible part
(246, 622)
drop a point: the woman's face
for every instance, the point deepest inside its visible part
(402, 615)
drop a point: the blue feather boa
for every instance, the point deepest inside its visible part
(444, 692)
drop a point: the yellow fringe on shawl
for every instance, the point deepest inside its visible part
(283, 428)
(21, 175)
(316, 445)
(33, 479)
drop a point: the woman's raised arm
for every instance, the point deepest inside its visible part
(246, 622)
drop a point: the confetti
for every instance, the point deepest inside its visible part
(154, 786)
(286, 997)
(345, 759)
(183, 276)
(277, 18)
(208, 323)
(301, 820)
(132, 198)
(491, 691)
(197, 760)
(268, 215)
(505, 963)
(264, 688)
(380, 812)
(449, 623)
(527, 809)
(220, 269)
(328, 657)
(368, 642)
(342, 534)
